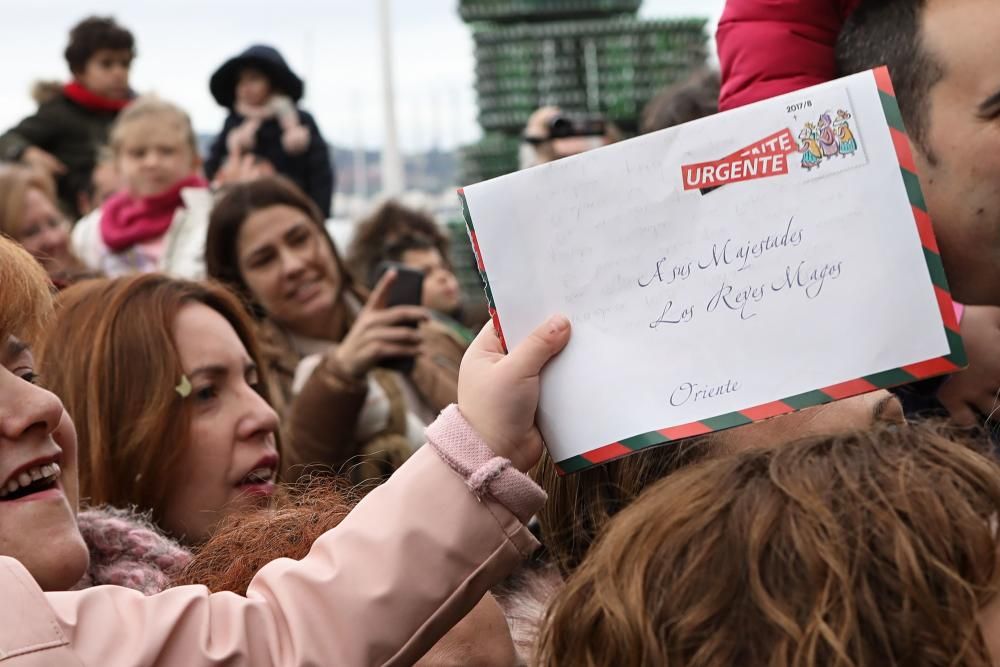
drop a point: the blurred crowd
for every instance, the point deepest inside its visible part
(226, 440)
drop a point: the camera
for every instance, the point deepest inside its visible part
(565, 126)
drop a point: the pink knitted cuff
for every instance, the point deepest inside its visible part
(484, 472)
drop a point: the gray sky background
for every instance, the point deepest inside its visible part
(332, 44)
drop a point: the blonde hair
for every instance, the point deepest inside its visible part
(876, 547)
(26, 295)
(15, 183)
(144, 108)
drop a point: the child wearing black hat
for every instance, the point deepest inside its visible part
(261, 91)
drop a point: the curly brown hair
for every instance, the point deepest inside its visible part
(379, 235)
(867, 548)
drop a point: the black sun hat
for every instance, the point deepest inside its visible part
(261, 57)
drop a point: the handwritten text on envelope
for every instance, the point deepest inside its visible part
(714, 268)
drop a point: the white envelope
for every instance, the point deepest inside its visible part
(732, 269)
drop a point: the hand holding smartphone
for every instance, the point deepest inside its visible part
(406, 290)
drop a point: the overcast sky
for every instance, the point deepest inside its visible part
(332, 44)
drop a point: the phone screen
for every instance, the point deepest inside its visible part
(406, 290)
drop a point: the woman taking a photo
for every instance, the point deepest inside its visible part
(325, 341)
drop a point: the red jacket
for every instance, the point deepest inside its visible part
(770, 47)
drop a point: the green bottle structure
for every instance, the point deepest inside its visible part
(593, 56)
(584, 56)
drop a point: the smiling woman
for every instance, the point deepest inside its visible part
(29, 214)
(161, 377)
(39, 478)
(327, 342)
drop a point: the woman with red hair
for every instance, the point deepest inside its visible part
(382, 587)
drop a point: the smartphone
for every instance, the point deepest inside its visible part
(406, 290)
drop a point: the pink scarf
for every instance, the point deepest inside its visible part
(126, 220)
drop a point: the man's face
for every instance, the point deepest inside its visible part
(960, 170)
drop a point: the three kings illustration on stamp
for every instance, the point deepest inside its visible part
(827, 139)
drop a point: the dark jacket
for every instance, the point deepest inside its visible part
(311, 170)
(71, 132)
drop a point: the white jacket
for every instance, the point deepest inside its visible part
(183, 245)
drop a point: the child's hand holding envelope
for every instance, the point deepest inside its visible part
(732, 269)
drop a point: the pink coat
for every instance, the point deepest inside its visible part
(770, 47)
(410, 561)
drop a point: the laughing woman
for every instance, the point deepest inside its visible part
(39, 487)
(381, 588)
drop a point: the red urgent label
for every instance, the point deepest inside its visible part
(760, 159)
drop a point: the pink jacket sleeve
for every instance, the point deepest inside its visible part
(770, 47)
(410, 561)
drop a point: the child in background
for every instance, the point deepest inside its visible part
(397, 233)
(104, 182)
(440, 291)
(72, 122)
(261, 93)
(158, 222)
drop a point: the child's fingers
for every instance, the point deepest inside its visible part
(487, 342)
(537, 349)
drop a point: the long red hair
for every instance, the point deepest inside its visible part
(109, 355)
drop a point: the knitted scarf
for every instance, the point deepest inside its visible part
(127, 220)
(88, 99)
(127, 550)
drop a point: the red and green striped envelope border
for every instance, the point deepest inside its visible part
(954, 361)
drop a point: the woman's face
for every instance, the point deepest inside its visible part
(288, 267)
(44, 232)
(38, 473)
(231, 458)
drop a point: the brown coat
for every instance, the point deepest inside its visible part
(319, 423)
